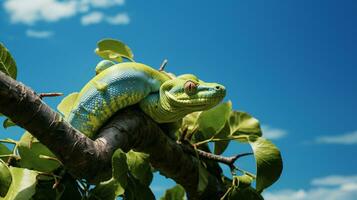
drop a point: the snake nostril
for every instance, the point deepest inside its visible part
(218, 87)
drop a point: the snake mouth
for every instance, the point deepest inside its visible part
(205, 101)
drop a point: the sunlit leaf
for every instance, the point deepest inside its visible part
(210, 122)
(139, 166)
(5, 178)
(8, 123)
(268, 160)
(114, 50)
(7, 63)
(30, 149)
(242, 123)
(175, 193)
(190, 121)
(23, 184)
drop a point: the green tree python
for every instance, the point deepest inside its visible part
(160, 95)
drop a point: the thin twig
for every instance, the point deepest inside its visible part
(52, 94)
(222, 159)
(163, 65)
(188, 147)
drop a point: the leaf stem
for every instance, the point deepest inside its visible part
(10, 155)
(212, 139)
(9, 141)
(247, 173)
(51, 158)
(225, 194)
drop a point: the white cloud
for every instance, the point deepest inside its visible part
(38, 34)
(31, 11)
(326, 188)
(273, 133)
(119, 19)
(348, 138)
(334, 180)
(98, 17)
(102, 3)
(92, 18)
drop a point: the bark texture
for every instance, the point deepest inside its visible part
(91, 159)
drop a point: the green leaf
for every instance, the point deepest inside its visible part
(210, 122)
(190, 121)
(4, 151)
(109, 190)
(7, 63)
(175, 193)
(247, 194)
(139, 166)
(114, 50)
(8, 123)
(30, 149)
(23, 184)
(221, 146)
(202, 178)
(5, 178)
(137, 191)
(120, 167)
(269, 162)
(242, 181)
(242, 123)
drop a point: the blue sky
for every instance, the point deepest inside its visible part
(291, 64)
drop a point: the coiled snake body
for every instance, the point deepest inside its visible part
(163, 97)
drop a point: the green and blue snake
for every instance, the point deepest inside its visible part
(162, 96)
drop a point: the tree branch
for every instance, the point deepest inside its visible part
(91, 159)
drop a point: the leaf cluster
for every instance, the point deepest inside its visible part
(220, 126)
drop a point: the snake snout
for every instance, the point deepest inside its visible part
(220, 89)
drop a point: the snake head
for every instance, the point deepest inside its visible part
(187, 94)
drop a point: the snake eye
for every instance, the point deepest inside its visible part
(190, 87)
